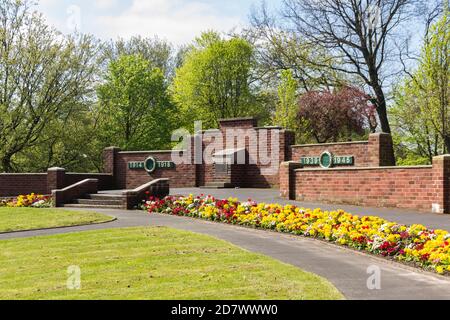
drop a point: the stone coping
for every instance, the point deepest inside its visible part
(363, 168)
(24, 174)
(329, 144)
(237, 119)
(90, 174)
(153, 151)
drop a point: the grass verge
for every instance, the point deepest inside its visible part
(149, 263)
(19, 219)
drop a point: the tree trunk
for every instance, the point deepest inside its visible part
(447, 144)
(382, 110)
(6, 164)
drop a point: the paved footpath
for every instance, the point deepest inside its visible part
(404, 216)
(345, 268)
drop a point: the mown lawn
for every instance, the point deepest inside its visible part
(148, 263)
(17, 219)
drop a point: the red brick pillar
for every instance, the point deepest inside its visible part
(381, 150)
(109, 159)
(441, 184)
(289, 141)
(55, 179)
(287, 179)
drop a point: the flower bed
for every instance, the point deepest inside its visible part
(30, 200)
(425, 248)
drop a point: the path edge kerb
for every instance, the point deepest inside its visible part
(329, 244)
(113, 219)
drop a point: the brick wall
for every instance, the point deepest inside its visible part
(77, 190)
(105, 180)
(16, 184)
(402, 187)
(12, 185)
(192, 175)
(377, 151)
(256, 174)
(181, 176)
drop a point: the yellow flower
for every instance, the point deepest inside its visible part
(440, 269)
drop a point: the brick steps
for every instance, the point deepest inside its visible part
(88, 206)
(218, 185)
(100, 201)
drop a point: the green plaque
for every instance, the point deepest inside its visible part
(150, 165)
(326, 160)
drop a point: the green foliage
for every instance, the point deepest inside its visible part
(135, 110)
(214, 81)
(158, 52)
(287, 106)
(45, 79)
(421, 113)
(286, 113)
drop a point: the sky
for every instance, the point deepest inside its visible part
(178, 21)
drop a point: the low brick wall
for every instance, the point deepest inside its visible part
(12, 185)
(105, 181)
(424, 188)
(180, 176)
(81, 188)
(393, 187)
(377, 151)
(159, 188)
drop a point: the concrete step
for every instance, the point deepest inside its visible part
(81, 206)
(218, 185)
(106, 197)
(109, 202)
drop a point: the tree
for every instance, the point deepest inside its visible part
(286, 111)
(135, 110)
(338, 114)
(44, 77)
(214, 81)
(278, 49)
(158, 52)
(421, 111)
(360, 36)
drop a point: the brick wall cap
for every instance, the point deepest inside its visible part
(152, 151)
(112, 148)
(22, 174)
(237, 119)
(89, 174)
(365, 168)
(329, 144)
(56, 169)
(76, 185)
(442, 157)
(145, 186)
(269, 128)
(377, 134)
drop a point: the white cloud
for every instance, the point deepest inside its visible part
(105, 4)
(178, 21)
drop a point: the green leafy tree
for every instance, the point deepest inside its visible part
(215, 80)
(158, 52)
(421, 112)
(44, 77)
(286, 112)
(135, 110)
